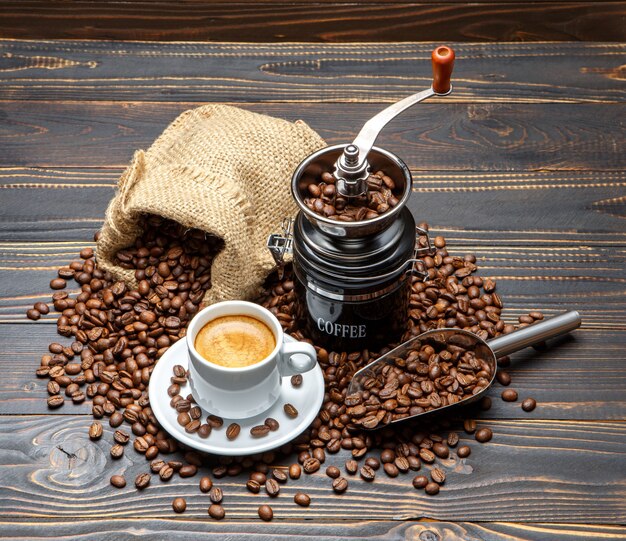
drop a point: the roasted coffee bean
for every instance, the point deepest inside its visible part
(340, 485)
(55, 401)
(387, 456)
(333, 472)
(302, 499)
(295, 471)
(95, 431)
(194, 426)
(265, 513)
(503, 377)
(204, 431)
(272, 488)
(529, 404)
(216, 495)
(367, 473)
(427, 456)
(420, 481)
(438, 475)
(156, 465)
(469, 425)
(453, 439)
(118, 481)
(483, 435)
(205, 484)
(432, 489)
(402, 464)
(391, 469)
(179, 505)
(258, 476)
(290, 411)
(215, 421)
(216, 511)
(33, 314)
(233, 431)
(116, 419)
(372, 462)
(352, 466)
(280, 475)
(117, 451)
(253, 486)
(509, 395)
(183, 418)
(463, 451)
(142, 480)
(166, 472)
(57, 283)
(259, 431)
(311, 465)
(296, 380)
(188, 470)
(53, 387)
(440, 450)
(272, 424)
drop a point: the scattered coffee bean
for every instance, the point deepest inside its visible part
(259, 431)
(340, 485)
(368, 473)
(503, 377)
(438, 475)
(529, 404)
(302, 499)
(233, 431)
(179, 505)
(55, 401)
(53, 387)
(295, 471)
(272, 424)
(259, 477)
(118, 481)
(290, 411)
(280, 475)
(391, 469)
(95, 431)
(296, 380)
(166, 472)
(509, 395)
(253, 486)
(483, 435)
(469, 425)
(216, 495)
(188, 470)
(265, 513)
(216, 511)
(117, 451)
(57, 283)
(432, 489)
(205, 484)
(272, 488)
(33, 314)
(333, 472)
(463, 451)
(420, 481)
(116, 419)
(311, 465)
(142, 480)
(352, 466)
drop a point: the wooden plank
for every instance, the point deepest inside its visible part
(314, 22)
(221, 72)
(181, 528)
(559, 378)
(52, 204)
(429, 138)
(50, 468)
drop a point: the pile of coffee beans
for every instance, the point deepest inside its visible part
(118, 332)
(324, 200)
(429, 373)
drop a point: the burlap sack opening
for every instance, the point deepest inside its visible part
(220, 169)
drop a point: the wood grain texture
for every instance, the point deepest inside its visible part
(182, 528)
(221, 72)
(313, 22)
(561, 471)
(429, 138)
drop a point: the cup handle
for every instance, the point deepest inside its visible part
(296, 358)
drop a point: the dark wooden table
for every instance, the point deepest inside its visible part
(523, 165)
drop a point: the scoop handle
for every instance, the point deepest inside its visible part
(535, 333)
(443, 63)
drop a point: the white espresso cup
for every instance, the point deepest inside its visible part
(239, 393)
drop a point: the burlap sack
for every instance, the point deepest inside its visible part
(220, 169)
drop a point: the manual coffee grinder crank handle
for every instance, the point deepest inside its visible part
(352, 168)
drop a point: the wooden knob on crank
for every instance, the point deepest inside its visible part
(443, 62)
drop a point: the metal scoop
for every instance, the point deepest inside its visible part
(485, 353)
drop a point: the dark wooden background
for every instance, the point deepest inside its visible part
(524, 165)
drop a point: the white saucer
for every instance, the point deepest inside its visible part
(307, 399)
